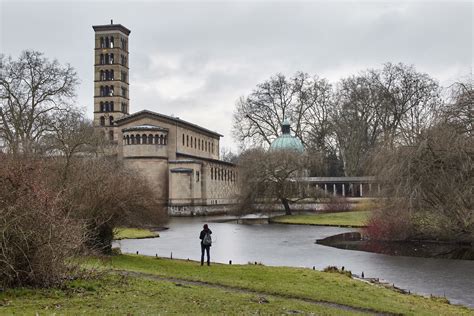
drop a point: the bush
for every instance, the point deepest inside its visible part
(37, 233)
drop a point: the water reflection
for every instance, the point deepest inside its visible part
(294, 245)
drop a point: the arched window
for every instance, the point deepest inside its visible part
(102, 44)
(111, 120)
(205, 146)
(187, 140)
(102, 107)
(102, 92)
(112, 106)
(212, 147)
(157, 140)
(106, 106)
(112, 74)
(102, 75)
(212, 173)
(132, 139)
(102, 59)
(128, 140)
(111, 58)
(106, 58)
(199, 144)
(195, 144)
(102, 121)
(165, 140)
(111, 42)
(106, 75)
(111, 91)
(124, 107)
(183, 139)
(137, 138)
(161, 140)
(107, 42)
(144, 139)
(150, 139)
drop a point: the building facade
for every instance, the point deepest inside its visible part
(179, 159)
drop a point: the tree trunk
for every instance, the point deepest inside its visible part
(286, 204)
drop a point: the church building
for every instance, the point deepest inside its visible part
(179, 159)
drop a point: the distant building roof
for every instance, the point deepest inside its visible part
(285, 141)
(166, 117)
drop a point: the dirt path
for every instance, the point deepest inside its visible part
(181, 282)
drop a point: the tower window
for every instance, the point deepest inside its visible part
(187, 141)
(124, 107)
(112, 106)
(107, 42)
(111, 42)
(111, 91)
(106, 58)
(102, 61)
(124, 92)
(144, 139)
(102, 121)
(137, 138)
(111, 59)
(102, 43)
(150, 139)
(111, 120)
(111, 135)
(183, 139)
(102, 107)
(124, 76)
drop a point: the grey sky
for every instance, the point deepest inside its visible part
(194, 59)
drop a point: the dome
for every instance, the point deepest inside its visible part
(286, 141)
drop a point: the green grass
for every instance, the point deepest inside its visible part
(283, 288)
(116, 295)
(133, 233)
(345, 219)
(293, 282)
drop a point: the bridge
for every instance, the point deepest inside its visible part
(346, 186)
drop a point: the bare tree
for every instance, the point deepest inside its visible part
(382, 107)
(428, 187)
(272, 177)
(301, 99)
(33, 90)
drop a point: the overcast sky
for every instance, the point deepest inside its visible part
(193, 59)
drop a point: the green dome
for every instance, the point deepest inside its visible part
(286, 141)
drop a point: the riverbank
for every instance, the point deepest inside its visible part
(147, 285)
(339, 219)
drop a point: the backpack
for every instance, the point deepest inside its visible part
(207, 240)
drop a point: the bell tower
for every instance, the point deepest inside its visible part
(111, 74)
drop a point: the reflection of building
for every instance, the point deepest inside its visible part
(179, 159)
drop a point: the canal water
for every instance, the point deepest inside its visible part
(294, 245)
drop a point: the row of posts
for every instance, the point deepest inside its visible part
(351, 189)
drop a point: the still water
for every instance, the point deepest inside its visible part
(294, 245)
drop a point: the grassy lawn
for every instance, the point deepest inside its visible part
(346, 219)
(290, 282)
(133, 233)
(116, 295)
(281, 290)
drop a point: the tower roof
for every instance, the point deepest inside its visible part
(111, 27)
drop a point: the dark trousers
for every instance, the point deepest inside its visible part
(207, 249)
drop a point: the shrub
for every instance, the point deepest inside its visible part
(37, 233)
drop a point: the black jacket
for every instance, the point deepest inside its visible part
(203, 233)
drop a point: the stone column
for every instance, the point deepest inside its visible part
(370, 188)
(325, 188)
(361, 190)
(343, 189)
(334, 189)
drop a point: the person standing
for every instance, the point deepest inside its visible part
(206, 242)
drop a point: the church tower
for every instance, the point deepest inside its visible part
(111, 73)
